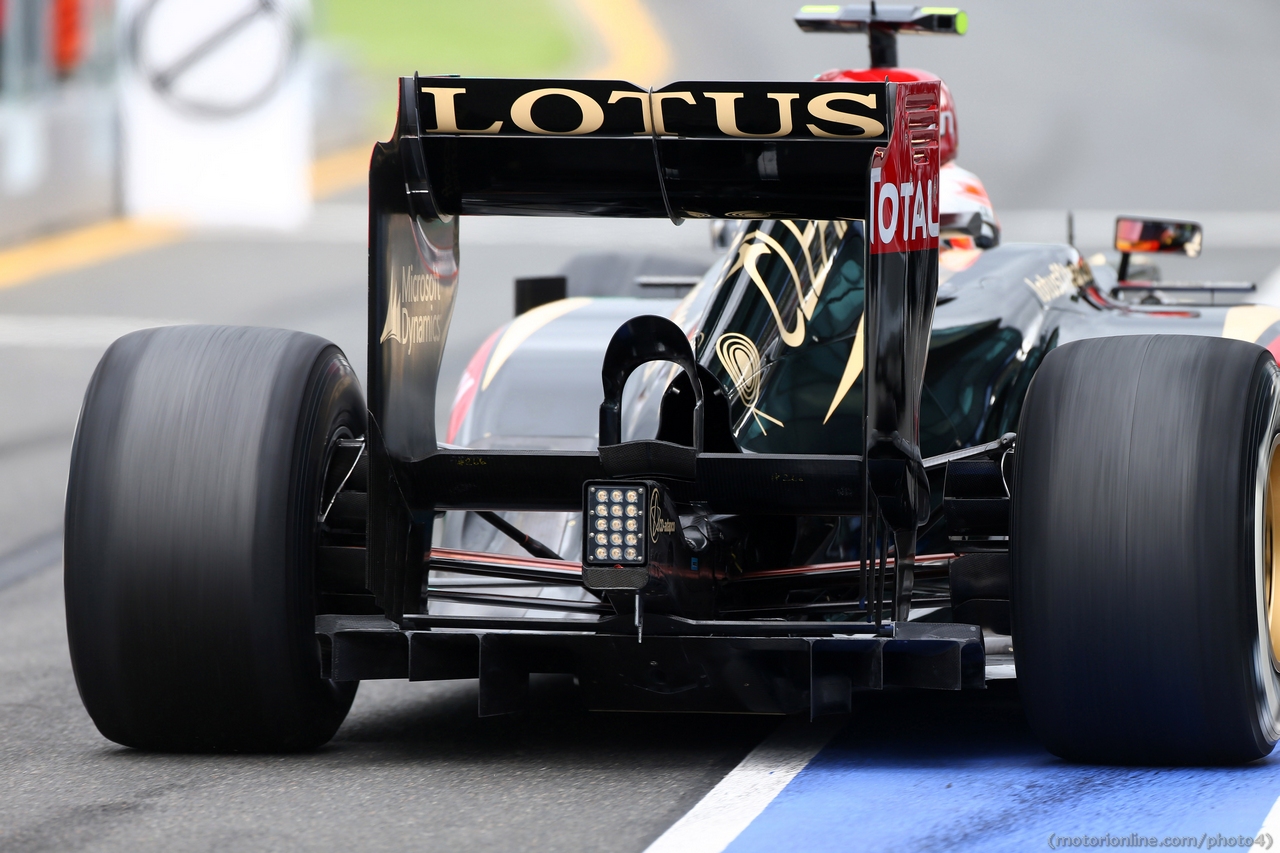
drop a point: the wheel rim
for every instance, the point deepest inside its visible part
(1266, 544)
(1271, 553)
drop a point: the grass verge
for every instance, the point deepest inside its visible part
(468, 37)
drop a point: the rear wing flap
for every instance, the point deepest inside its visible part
(610, 148)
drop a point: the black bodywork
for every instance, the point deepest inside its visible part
(716, 616)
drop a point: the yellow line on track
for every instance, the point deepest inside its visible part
(83, 247)
(341, 171)
(637, 51)
(115, 238)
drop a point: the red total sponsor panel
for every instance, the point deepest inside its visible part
(904, 175)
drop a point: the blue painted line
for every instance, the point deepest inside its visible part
(914, 772)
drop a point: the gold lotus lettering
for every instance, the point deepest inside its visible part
(646, 115)
(822, 107)
(727, 114)
(659, 119)
(446, 114)
(592, 113)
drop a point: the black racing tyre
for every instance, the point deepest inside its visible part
(190, 538)
(1143, 515)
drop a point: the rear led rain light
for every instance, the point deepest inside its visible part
(615, 524)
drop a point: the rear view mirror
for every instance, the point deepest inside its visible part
(1154, 235)
(1158, 235)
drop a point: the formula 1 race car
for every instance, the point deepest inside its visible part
(818, 473)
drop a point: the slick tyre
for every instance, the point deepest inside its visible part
(190, 538)
(1145, 492)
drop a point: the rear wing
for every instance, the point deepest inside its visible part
(610, 148)
(692, 150)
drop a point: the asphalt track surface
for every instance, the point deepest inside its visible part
(1087, 104)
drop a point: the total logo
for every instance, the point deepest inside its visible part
(904, 175)
(904, 215)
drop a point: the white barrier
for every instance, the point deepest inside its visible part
(216, 111)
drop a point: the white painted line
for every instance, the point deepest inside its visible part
(64, 331)
(731, 806)
(1271, 826)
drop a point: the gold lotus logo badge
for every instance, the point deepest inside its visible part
(741, 360)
